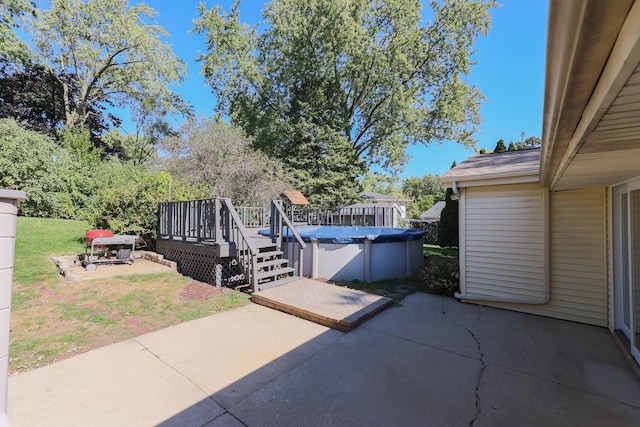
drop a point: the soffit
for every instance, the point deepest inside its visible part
(581, 37)
(605, 148)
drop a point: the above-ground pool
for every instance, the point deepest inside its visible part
(359, 253)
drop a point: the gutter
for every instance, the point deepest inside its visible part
(456, 191)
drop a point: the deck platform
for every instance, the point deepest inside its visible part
(329, 305)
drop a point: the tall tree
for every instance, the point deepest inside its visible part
(113, 51)
(209, 153)
(382, 183)
(529, 143)
(500, 147)
(424, 191)
(346, 83)
(11, 46)
(427, 185)
(34, 96)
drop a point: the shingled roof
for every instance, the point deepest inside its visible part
(509, 164)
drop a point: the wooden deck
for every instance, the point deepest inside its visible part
(329, 305)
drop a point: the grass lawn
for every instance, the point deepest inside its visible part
(437, 251)
(52, 319)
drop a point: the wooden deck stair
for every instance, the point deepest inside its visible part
(272, 268)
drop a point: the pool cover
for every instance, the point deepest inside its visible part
(354, 234)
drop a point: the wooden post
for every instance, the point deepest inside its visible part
(199, 221)
(314, 258)
(217, 237)
(183, 227)
(301, 261)
(170, 220)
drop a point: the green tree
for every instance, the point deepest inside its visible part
(34, 96)
(500, 147)
(482, 151)
(382, 183)
(448, 225)
(334, 86)
(512, 147)
(425, 192)
(11, 47)
(34, 163)
(209, 153)
(114, 53)
(529, 143)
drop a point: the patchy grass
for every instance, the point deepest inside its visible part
(52, 319)
(67, 318)
(435, 250)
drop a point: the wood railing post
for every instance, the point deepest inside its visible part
(199, 221)
(184, 220)
(170, 220)
(217, 237)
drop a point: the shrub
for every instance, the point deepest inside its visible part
(448, 225)
(441, 276)
(127, 202)
(431, 229)
(32, 162)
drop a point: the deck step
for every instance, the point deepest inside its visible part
(279, 261)
(273, 283)
(274, 273)
(269, 254)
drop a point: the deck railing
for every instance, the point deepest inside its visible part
(209, 220)
(235, 232)
(284, 234)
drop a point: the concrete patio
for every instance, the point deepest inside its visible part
(431, 362)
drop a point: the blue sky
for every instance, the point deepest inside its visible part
(509, 71)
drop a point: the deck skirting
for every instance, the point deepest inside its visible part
(199, 261)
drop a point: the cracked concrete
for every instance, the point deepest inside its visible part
(429, 362)
(481, 357)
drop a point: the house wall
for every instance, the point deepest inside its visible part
(503, 241)
(504, 249)
(579, 270)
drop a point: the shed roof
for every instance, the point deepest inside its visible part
(296, 198)
(510, 166)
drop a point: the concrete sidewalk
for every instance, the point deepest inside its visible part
(431, 362)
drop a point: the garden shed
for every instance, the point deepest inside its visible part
(556, 231)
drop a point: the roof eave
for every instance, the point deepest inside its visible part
(519, 177)
(580, 38)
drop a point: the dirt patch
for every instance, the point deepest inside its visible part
(198, 291)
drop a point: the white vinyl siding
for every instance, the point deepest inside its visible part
(578, 256)
(504, 241)
(577, 252)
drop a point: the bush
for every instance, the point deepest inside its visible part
(448, 225)
(32, 162)
(128, 197)
(441, 276)
(431, 229)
